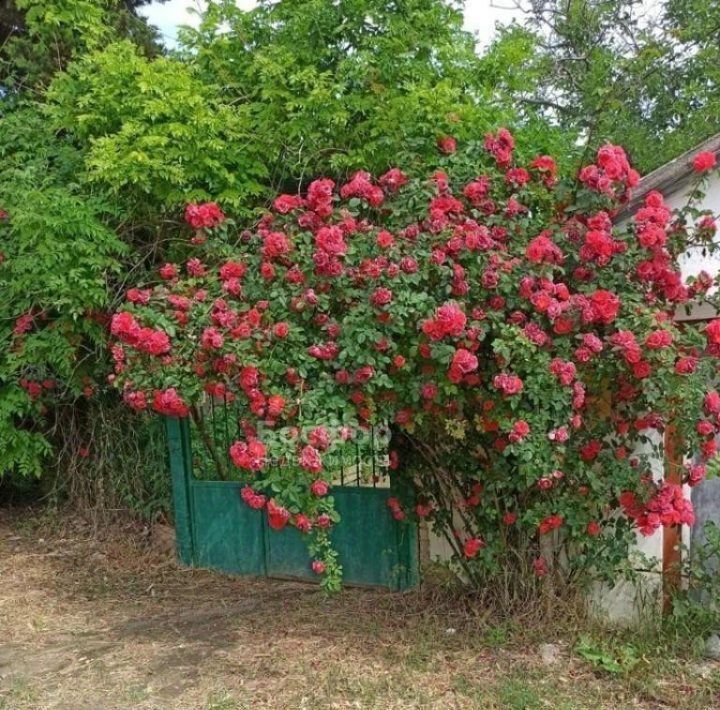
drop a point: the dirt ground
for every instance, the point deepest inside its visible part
(110, 621)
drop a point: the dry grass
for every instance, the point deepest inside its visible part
(90, 621)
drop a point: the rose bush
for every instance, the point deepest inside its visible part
(518, 338)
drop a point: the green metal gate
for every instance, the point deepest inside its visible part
(215, 529)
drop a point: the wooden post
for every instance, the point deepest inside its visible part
(672, 534)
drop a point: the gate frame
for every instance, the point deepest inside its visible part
(405, 570)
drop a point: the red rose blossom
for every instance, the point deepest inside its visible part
(604, 307)
(204, 215)
(447, 145)
(704, 161)
(472, 547)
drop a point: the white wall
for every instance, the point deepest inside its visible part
(695, 262)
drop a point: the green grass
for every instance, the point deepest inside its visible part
(19, 691)
(514, 693)
(222, 700)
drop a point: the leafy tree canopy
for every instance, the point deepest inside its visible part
(339, 86)
(39, 37)
(643, 75)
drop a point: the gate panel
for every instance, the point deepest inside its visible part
(366, 538)
(227, 535)
(287, 554)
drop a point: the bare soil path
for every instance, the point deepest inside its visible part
(110, 621)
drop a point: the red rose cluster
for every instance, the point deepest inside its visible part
(667, 506)
(148, 340)
(612, 174)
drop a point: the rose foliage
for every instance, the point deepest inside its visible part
(519, 337)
